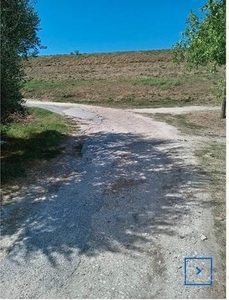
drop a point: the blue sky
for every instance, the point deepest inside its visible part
(111, 25)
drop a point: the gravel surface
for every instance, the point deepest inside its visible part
(116, 220)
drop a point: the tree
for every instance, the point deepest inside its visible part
(204, 39)
(75, 52)
(19, 26)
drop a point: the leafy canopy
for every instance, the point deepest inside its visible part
(204, 39)
(19, 26)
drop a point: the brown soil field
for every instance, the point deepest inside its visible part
(125, 79)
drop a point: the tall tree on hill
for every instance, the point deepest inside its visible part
(204, 39)
(19, 26)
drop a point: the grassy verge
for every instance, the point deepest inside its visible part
(212, 161)
(131, 103)
(197, 123)
(35, 138)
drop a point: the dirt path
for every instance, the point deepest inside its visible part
(115, 220)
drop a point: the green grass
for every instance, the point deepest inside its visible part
(62, 93)
(129, 102)
(36, 139)
(78, 91)
(165, 83)
(59, 88)
(40, 85)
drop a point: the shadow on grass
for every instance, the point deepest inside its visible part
(17, 152)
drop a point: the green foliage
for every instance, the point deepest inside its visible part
(220, 92)
(19, 26)
(204, 39)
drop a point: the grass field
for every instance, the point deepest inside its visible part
(125, 79)
(37, 137)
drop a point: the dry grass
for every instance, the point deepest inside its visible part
(207, 123)
(128, 79)
(212, 160)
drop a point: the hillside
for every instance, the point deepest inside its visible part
(127, 79)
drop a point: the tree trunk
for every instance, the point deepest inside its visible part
(223, 104)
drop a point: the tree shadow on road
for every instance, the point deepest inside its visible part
(123, 192)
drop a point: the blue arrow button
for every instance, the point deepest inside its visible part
(198, 271)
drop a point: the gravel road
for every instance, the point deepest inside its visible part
(126, 204)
